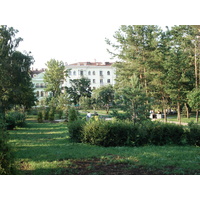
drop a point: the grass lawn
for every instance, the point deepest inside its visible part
(46, 149)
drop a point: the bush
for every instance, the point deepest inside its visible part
(14, 119)
(163, 133)
(193, 135)
(40, 117)
(75, 130)
(6, 157)
(125, 133)
(51, 114)
(73, 114)
(110, 133)
(46, 114)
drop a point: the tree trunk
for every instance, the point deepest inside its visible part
(187, 111)
(197, 116)
(179, 112)
(165, 115)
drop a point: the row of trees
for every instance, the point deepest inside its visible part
(166, 63)
(155, 68)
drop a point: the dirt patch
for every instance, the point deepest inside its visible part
(97, 166)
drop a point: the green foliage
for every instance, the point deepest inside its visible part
(73, 114)
(125, 133)
(51, 114)
(193, 135)
(75, 129)
(6, 156)
(15, 80)
(46, 113)
(194, 99)
(79, 88)
(164, 134)
(120, 116)
(40, 117)
(109, 133)
(54, 75)
(104, 96)
(14, 119)
(135, 100)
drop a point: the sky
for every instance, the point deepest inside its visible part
(75, 30)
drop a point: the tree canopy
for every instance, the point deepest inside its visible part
(15, 80)
(163, 61)
(54, 76)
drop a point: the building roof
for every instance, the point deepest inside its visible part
(38, 76)
(91, 64)
(36, 72)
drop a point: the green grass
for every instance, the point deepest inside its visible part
(46, 149)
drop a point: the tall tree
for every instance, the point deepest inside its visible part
(54, 76)
(179, 66)
(135, 49)
(194, 101)
(15, 80)
(135, 100)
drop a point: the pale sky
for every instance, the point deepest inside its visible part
(75, 30)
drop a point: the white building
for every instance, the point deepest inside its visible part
(99, 73)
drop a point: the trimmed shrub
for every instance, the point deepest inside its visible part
(51, 114)
(73, 114)
(40, 117)
(14, 119)
(75, 130)
(110, 133)
(163, 133)
(193, 135)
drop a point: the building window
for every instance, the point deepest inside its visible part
(38, 94)
(108, 80)
(81, 73)
(74, 73)
(101, 73)
(93, 72)
(101, 81)
(37, 85)
(108, 72)
(89, 73)
(42, 93)
(93, 80)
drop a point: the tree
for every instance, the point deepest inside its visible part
(79, 88)
(105, 96)
(54, 76)
(136, 48)
(179, 66)
(135, 100)
(194, 101)
(15, 80)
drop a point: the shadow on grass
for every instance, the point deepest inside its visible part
(46, 149)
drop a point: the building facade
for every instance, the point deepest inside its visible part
(39, 87)
(99, 73)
